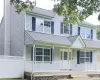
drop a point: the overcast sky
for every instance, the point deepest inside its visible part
(48, 4)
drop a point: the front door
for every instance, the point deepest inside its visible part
(64, 59)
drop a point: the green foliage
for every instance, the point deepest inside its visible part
(76, 10)
(98, 33)
(72, 10)
(21, 5)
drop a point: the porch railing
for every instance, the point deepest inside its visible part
(58, 66)
(54, 66)
(92, 67)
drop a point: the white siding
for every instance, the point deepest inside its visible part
(57, 24)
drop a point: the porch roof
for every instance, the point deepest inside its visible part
(88, 43)
(49, 38)
(92, 43)
(30, 37)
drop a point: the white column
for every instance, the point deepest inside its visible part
(68, 60)
(52, 58)
(33, 68)
(85, 60)
(97, 65)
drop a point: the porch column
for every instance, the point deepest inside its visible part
(33, 58)
(33, 62)
(68, 59)
(97, 65)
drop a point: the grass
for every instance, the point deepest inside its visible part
(6, 79)
(9, 79)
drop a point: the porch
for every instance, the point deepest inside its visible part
(53, 53)
(48, 58)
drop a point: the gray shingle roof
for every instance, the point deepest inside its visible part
(92, 43)
(72, 38)
(49, 38)
(43, 12)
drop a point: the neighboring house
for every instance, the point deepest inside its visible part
(48, 45)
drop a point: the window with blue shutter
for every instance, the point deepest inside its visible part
(70, 29)
(52, 27)
(78, 30)
(91, 33)
(33, 23)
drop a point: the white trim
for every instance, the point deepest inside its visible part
(43, 54)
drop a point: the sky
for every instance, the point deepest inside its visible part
(48, 4)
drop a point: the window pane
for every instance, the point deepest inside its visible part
(87, 59)
(66, 29)
(82, 35)
(88, 36)
(39, 51)
(82, 54)
(88, 30)
(65, 55)
(82, 60)
(61, 30)
(87, 54)
(38, 58)
(47, 52)
(46, 58)
(82, 30)
(47, 23)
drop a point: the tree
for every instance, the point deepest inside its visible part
(98, 33)
(72, 10)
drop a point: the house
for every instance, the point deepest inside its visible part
(45, 44)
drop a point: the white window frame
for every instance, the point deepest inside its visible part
(64, 29)
(47, 21)
(85, 33)
(84, 57)
(43, 54)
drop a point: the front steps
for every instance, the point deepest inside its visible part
(60, 75)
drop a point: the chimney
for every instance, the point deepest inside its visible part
(7, 27)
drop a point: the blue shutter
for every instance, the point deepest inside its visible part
(52, 27)
(78, 55)
(91, 33)
(90, 56)
(51, 54)
(70, 29)
(31, 53)
(61, 28)
(33, 23)
(78, 30)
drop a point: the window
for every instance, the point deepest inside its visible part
(47, 23)
(65, 29)
(43, 54)
(85, 33)
(65, 55)
(84, 57)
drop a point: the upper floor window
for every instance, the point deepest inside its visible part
(66, 29)
(44, 26)
(85, 33)
(47, 23)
